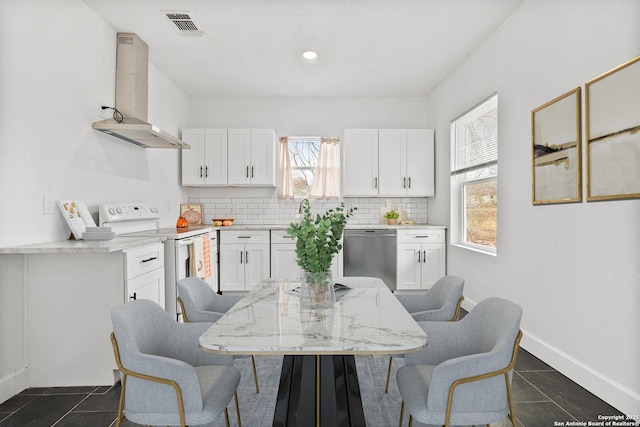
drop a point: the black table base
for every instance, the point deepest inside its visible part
(336, 380)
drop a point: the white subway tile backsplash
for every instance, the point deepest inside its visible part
(266, 210)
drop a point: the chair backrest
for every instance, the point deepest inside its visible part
(445, 294)
(494, 324)
(139, 327)
(199, 301)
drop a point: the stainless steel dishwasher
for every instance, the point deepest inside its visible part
(372, 253)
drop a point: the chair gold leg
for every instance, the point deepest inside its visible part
(401, 413)
(255, 373)
(410, 420)
(386, 387)
(237, 409)
(123, 385)
(226, 417)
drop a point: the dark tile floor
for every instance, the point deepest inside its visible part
(542, 396)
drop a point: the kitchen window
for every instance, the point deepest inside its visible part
(309, 167)
(303, 152)
(474, 177)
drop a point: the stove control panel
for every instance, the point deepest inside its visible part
(124, 211)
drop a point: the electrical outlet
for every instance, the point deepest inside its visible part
(48, 205)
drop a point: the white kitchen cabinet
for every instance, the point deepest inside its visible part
(360, 163)
(406, 162)
(244, 259)
(284, 261)
(388, 162)
(421, 258)
(251, 157)
(206, 162)
(144, 272)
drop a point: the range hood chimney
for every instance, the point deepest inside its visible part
(132, 89)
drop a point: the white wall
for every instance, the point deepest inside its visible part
(574, 268)
(57, 67)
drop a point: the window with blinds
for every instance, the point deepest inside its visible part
(474, 177)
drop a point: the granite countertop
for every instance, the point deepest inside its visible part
(83, 246)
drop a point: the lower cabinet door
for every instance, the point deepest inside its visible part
(284, 262)
(232, 267)
(147, 286)
(433, 264)
(256, 264)
(409, 273)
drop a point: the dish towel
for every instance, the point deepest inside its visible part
(200, 255)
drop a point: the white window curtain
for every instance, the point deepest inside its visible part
(326, 184)
(285, 183)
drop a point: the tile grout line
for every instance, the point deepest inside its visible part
(545, 395)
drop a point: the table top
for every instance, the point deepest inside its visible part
(366, 319)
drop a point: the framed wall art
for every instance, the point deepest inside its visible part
(613, 133)
(556, 136)
(193, 212)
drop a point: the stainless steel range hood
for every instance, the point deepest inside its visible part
(132, 89)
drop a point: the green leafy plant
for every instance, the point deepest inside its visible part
(318, 239)
(392, 215)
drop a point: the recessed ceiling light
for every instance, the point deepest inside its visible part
(310, 54)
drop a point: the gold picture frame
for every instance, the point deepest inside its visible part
(556, 150)
(613, 133)
(193, 212)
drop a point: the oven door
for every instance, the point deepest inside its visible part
(182, 249)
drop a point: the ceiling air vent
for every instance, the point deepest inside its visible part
(183, 23)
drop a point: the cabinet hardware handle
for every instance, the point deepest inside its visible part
(404, 182)
(409, 182)
(247, 171)
(246, 257)
(251, 171)
(422, 237)
(149, 259)
(240, 257)
(206, 171)
(244, 237)
(132, 297)
(419, 257)
(200, 171)
(424, 256)
(375, 184)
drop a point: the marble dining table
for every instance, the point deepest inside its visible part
(318, 383)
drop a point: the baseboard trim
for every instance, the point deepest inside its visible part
(13, 384)
(615, 394)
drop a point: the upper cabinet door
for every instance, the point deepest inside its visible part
(251, 157)
(215, 155)
(360, 162)
(239, 156)
(392, 158)
(262, 169)
(420, 156)
(193, 158)
(206, 162)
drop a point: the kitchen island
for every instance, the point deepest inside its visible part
(69, 289)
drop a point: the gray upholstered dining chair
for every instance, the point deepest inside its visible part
(439, 303)
(200, 303)
(166, 378)
(464, 374)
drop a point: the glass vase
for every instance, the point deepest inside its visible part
(317, 290)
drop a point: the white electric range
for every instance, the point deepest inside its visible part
(139, 219)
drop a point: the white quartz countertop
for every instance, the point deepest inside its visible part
(366, 319)
(82, 246)
(348, 227)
